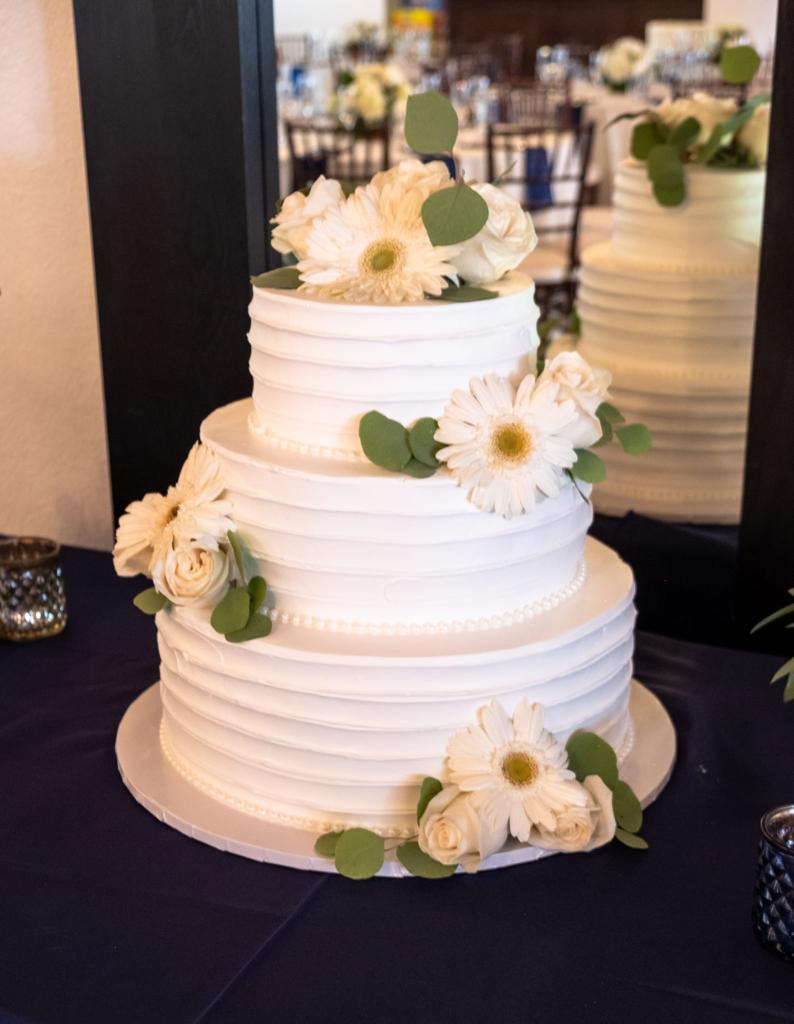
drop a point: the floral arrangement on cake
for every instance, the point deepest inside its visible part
(624, 63)
(504, 778)
(185, 542)
(370, 95)
(413, 232)
(703, 129)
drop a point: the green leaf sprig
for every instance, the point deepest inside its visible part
(150, 602)
(237, 614)
(450, 215)
(786, 670)
(391, 446)
(589, 754)
(633, 438)
(359, 853)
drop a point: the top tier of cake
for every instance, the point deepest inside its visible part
(717, 225)
(319, 366)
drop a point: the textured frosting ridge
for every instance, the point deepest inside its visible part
(717, 226)
(339, 731)
(350, 543)
(318, 366)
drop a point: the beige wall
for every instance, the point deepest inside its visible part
(53, 460)
(325, 19)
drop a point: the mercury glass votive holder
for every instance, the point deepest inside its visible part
(773, 906)
(32, 599)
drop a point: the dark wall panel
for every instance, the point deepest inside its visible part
(173, 170)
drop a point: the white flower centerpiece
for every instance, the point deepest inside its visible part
(702, 129)
(370, 95)
(623, 64)
(505, 779)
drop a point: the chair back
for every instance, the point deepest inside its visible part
(294, 49)
(539, 103)
(545, 167)
(323, 146)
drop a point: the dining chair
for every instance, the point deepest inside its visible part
(323, 146)
(545, 167)
(294, 49)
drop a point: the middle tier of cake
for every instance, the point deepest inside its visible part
(348, 547)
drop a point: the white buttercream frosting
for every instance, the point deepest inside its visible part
(319, 366)
(717, 226)
(322, 731)
(345, 544)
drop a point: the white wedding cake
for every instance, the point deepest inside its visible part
(399, 607)
(668, 306)
(378, 611)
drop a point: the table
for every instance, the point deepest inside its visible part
(112, 917)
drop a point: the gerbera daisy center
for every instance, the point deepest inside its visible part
(519, 768)
(383, 257)
(511, 443)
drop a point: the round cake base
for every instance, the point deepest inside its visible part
(156, 785)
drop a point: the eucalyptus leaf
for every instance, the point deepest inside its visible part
(415, 860)
(359, 853)
(788, 693)
(607, 412)
(629, 839)
(588, 754)
(644, 137)
(150, 602)
(430, 787)
(257, 588)
(232, 612)
(635, 439)
(627, 808)
(257, 627)
(738, 64)
(465, 293)
(588, 467)
(708, 150)
(685, 134)
(385, 441)
(669, 196)
(431, 124)
(246, 564)
(575, 322)
(326, 844)
(422, 441)
(284, 278)
(784, 670)
(607, 434)
(665, 168)
(453, 215)
(418, 469)
(779, 614)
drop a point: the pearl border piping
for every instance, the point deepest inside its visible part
(301, 447)
(502, 621)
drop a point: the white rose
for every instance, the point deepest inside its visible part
(616, 65)
(452, 832)
(709, 111)
(191, 575)
(754, 133)
(581, 828)
(507, 238)
(412, 174)
(586, 387)
(371, 99)
(299, 212)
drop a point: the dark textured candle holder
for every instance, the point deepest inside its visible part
(773, 908)
(32, 599)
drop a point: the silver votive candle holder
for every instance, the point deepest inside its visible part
(773, 905)
(32, 598)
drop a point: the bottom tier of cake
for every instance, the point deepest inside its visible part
(322, 731)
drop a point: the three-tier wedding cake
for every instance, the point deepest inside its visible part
(435, 629)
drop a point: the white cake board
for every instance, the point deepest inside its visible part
(156, 784)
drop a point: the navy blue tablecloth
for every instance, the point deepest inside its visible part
(110, 916)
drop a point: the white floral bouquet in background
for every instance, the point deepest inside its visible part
(370, 94)
(623, 64)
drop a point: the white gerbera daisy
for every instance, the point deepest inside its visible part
(517, 771)
(190, 513)
(503, 446)
(374, 248)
